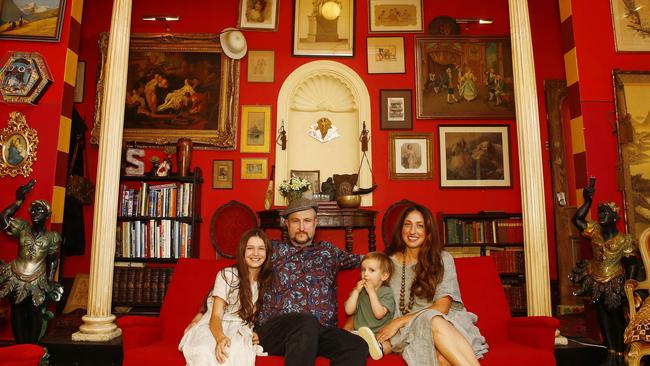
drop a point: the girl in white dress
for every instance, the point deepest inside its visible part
(223, 335)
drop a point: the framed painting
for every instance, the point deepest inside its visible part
(18, 143)
(313, 176)
(78, 93)
(254, 168)
(31, 20)
(395, 110)
(24, 78)
(395, 16)
(385, 55)
(258, 14)
(630, 21)
(323, 28)
(632, 90)
(464, 77)
(410, 156)
(222, 174)
(178, 85)
(474, 156)
(261, 66)
(256, 128)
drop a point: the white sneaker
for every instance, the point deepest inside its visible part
(373, 346)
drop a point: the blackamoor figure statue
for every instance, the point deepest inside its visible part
(28, 280)
(603, 276)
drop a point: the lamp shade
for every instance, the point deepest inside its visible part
(330, 10)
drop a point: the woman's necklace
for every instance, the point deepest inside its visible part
(404, 309)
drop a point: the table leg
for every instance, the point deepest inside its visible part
(348, 239)
(371, 239)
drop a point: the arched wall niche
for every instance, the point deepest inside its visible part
(323, 89)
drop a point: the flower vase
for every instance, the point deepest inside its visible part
(292, 196)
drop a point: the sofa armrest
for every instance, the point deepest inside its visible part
(533, 331)
(138, 331)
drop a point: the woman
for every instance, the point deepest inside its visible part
(431, 325)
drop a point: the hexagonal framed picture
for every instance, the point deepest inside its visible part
(24, 78)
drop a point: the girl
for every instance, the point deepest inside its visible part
(223, 335)
(431, 325)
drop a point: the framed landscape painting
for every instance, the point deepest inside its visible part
(464, 77)
(474, 156)
(323, 28)
(178, 85)
(630, 20)
(395, 16)
(31, 20)
(256, 128)
(254, 168)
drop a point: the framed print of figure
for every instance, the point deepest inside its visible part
(410, 156)
(395, 108)
(261, 66)
(386, 55)
(323, 28)
(258, 14)
(222, 174)
(395, 16)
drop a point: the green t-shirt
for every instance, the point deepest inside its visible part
(364, 316)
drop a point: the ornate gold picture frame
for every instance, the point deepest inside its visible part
(178, 85)
(18, 144)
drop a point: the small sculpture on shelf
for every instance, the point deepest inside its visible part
(328, 188)
(603, 277)
(28, 280)
(155, 163)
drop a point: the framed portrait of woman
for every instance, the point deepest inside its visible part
(18, 143)
(259, 14)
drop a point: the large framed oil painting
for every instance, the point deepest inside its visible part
(323, 28)
(630, 20)
(178, 85)
(474, 156)
(464, 77)
(31, 20)
(633, 113)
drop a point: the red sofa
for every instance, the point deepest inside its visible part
(21, 355)
(512, 341)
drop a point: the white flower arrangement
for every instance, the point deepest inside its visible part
(294, 187)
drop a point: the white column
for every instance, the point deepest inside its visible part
(99, 323)
(538, 292)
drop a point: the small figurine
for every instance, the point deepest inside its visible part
(328, 188)
(155, 163)
(164, 168)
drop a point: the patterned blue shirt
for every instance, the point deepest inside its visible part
(304, 280)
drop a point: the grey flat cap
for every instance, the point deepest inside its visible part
(299, 204)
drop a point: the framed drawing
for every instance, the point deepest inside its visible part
(261, 66)
(258, 14)
(24, 78)
(632, 90)
(178, 85)
(410, 156)
(323, 28)
(386, 55)
(256, 128)
(254, 168)
(18, 144)
(31, 20)
(464, 77)
(78, 93)
(474, 156)
(222, 174)
(396, 113)
(395, 16)
(313, 176)
(630, 19)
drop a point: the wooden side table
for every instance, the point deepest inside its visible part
(336, 218)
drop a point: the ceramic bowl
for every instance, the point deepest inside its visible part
(349, 201)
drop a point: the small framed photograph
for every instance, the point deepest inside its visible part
(258, 14)
(312, 176)
(261, 66)
(78, 93)
(255, 128)
(222, 173)
(35, 20)
(386, 55)
(410, 156)
(323, 28)
(474, 156)
(395, 16)
(396, 111)
(254, 168)
(630, 19)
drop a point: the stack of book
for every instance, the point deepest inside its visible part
(140, 285)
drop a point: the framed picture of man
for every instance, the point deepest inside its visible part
(410, 156)
(222, 174)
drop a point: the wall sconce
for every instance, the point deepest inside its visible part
(466, 21)
(163, 18)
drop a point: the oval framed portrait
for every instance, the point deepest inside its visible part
(14, 151)
(18, 144)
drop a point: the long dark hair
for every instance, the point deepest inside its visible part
(429, 268)
(247, 310)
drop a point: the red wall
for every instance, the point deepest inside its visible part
(212, 17)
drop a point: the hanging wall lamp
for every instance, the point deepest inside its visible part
(165, 19)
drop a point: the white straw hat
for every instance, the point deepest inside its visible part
(233, 43)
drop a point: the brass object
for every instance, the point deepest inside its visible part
(639, 317)
(349, 201)
(18, 144)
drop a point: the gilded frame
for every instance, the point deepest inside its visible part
(211, 111)
(18, 144)
(256, 128)
(223, 172)
(410, 156)
(254, 168)
(632, 88)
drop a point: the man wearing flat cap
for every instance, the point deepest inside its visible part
(298, 315)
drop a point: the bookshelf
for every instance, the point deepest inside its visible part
(497, 234)
(157, 223)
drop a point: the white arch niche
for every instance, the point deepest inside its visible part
(315, 90)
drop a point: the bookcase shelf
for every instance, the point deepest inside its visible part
(497, 234)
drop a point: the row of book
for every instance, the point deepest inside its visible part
(459, 231)
(515, 294)
(508, 260)
(161, 200)
(154, 239)
(143, 286)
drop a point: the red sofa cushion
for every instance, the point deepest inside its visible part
(21, 355)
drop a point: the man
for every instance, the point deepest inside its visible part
(298, 316)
